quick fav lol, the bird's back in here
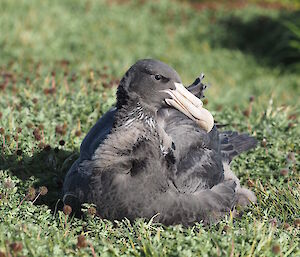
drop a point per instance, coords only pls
(200, 156)
(197, 153)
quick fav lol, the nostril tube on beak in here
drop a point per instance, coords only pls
(190, 105)
(183, 91)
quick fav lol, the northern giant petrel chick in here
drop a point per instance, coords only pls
(145, 157)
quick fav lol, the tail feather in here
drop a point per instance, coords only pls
(233, 144)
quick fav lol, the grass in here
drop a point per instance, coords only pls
(60, 62)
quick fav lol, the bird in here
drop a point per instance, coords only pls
(158, 154)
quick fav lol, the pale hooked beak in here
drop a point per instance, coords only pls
(190, 105)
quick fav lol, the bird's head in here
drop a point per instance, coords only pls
(156, 85)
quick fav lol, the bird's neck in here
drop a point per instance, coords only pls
(134, 111)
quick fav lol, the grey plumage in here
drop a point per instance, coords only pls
(233, 144)
(144, 158)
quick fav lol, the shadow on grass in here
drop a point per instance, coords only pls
(47, 167)
(273, 41)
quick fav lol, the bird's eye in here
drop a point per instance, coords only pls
(158, 77)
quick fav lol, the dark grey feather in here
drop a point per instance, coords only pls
(233, 144)
(97, 134)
